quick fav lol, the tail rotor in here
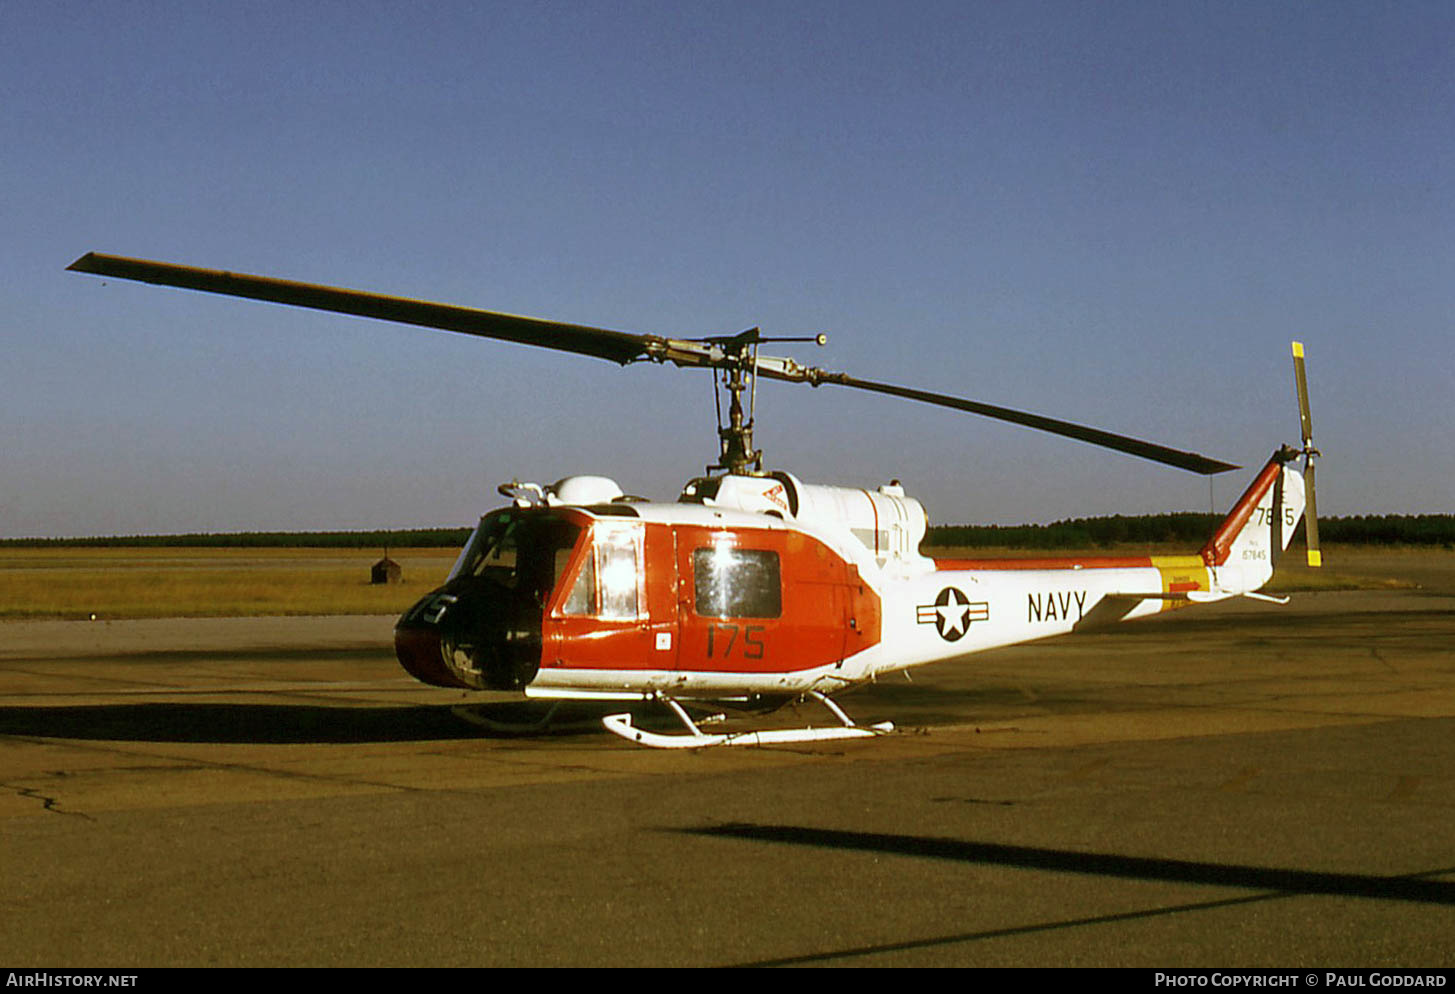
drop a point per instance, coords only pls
(1310, 517)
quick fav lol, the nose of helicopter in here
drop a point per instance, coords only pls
(471, 636)
(421, 652)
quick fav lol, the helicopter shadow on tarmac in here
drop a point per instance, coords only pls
(318, 724)
(283, 724)
(225, 723)
(313, 724)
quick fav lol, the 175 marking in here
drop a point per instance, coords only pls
(751, 648)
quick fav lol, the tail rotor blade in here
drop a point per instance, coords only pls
(1306, 428)
(1311, 517)
(1305, 419)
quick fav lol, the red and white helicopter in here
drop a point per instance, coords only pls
(755, 588)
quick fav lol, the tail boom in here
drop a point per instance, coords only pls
(964, 606)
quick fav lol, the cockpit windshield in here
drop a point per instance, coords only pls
(521, 550)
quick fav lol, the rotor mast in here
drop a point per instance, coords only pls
(738, 359)
(736, 437)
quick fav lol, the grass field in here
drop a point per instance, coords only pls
(75, 583)
(198, 583)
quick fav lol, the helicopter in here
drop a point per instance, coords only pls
(754, 588)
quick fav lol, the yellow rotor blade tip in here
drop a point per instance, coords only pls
(1315, 558)
(1298, 350)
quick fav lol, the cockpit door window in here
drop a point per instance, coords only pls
(608, 584)
(730, 582)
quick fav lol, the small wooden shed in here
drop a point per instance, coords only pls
(386, 570)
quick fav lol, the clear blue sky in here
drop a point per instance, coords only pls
(1112, 213)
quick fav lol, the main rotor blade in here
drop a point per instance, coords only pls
(618, 346)
(1095, 436)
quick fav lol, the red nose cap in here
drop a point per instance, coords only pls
(420, 652)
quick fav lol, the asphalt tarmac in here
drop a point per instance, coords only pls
(1237, 785)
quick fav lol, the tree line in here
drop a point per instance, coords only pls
(1186, 528)
(1190, 528)
(414, 538)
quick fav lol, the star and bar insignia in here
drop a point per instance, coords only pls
(951, 613)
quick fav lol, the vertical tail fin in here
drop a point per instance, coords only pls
(1259, 527)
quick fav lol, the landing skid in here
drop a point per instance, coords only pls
(696, 738)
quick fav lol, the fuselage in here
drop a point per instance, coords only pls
(633, 598)
(757, 586)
